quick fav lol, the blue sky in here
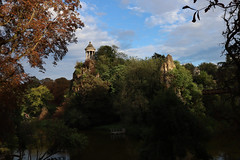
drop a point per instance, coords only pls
(140, 28)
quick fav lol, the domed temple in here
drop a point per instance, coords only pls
(90, 51)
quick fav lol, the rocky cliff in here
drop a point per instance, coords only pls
(168, 64)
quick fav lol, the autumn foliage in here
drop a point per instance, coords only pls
(31, 30)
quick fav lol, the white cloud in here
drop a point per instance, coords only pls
(188, 41)
(166, 19)
(136, 9)
(142, 52)
(91, 32)
(185, 41)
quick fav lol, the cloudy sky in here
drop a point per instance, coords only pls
(140, 28)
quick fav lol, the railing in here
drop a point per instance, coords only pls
(116, 131)
(215, 91)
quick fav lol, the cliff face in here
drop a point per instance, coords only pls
(83, 72)
(88, 67)
(86, 80)
(168, 64)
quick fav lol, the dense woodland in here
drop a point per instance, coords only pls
(138, 94)
(173, 109)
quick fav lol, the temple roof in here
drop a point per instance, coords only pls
(90, 47)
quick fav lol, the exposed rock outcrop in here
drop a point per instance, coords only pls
(168, 64)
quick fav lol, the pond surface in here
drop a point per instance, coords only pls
(225, 146)
(103, 146)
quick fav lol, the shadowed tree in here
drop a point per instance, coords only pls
(35, 100)
(210, 68)
(190, 67)
(231, 17)
(42, 139)
(31, 30)
(173, 131)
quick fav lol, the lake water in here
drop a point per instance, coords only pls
(103, 146)
(59, 156)
(225, 146)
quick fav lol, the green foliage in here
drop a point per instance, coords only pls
(48, 137)
(182, 78)
(204, 80)
(209, 68)
(107, 59)
(35, 99)
(228, 76)
(224, 109)
(58, 88)
(172, 130)
(106, 51)
(158, 56)
(142, 78)
(89, 103)
(182, 82)
(190, 67)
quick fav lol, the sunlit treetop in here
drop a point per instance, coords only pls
(33, 30)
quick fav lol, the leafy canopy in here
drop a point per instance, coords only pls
(35, 100)
(31, 30)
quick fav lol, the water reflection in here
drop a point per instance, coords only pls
(58, 156)
(105, 146)
(225, 146)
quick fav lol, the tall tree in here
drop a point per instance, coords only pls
(35, 100)
(31, 30)
(231, 17)
(42, 139)
(210, 68)
(190, 67)
(60, 87)
(186, 89)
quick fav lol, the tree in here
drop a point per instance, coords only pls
(231, 18)
(35, 100)
(139, 82)
(89, 101)
(205, 80)
(108, 57)
(107, 51)
(45, 138)
(190, 67)
(57, 87)
(172, 130)
(182, 82)
(60, 86)
(110, 65)
(210, 68)
(156, 56)
(33, 30)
